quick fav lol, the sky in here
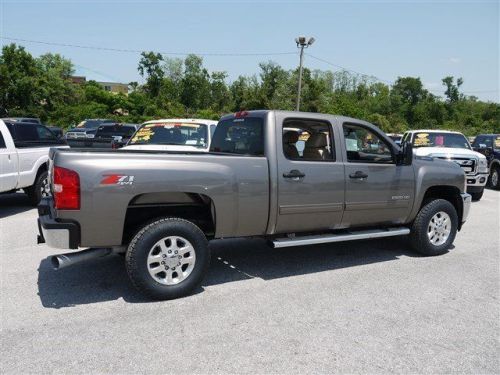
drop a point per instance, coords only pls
(385, 39)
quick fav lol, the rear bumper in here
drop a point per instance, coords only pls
(467, 200)
(55, 232)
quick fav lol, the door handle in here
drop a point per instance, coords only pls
(358, 175)
(294, 173)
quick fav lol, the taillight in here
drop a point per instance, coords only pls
(66, 189)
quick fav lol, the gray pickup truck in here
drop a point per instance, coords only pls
(293, 178)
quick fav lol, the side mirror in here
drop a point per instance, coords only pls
(405, 154)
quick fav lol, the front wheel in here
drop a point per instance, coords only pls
(495, 178)
(168, 258)
(434, 228)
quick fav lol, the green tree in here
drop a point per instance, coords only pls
(195, 84)
(150, 66)
(18, 81)
(452, 90)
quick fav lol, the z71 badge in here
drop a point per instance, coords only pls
(117, 179)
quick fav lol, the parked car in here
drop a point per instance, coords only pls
(489, 146)
(113, 135)
(77, 136)
(24, 153)
(454, 147)
(32, 120)
(350, 181)
(173, 135)
(395, 137)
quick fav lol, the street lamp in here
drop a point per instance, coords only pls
(302, 42)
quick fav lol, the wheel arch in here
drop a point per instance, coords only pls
(446, 192)
(194, 207)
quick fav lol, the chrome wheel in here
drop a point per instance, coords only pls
(439, 228)
(45, 188)
(171, 260)
(494, 178)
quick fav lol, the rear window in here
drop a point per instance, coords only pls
(242, 136)
(26, 133)
(2, 142)
(29, 134)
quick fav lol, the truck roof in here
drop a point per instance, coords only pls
(192, 120)
(433, 131)
(261, 112)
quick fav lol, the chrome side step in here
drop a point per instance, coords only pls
(350, 236)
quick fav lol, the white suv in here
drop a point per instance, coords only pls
(452, 146)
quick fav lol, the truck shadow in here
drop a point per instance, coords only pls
(13, 204)
(232, 260)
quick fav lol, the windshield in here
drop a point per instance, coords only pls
(446, 140)
(116, 130)
(487, 141)
(92, 124)
(165, 133)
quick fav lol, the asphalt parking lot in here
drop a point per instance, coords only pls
(371, 306)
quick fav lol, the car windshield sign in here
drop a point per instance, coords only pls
(171, 133)
(436, 139)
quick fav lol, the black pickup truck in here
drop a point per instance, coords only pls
(489, 146)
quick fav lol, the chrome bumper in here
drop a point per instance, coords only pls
(479, 179)
(467, 200)
(56, 238)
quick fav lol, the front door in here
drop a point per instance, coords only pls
(8, 165)
(310, 175)
(377, 190)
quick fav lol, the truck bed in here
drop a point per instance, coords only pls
(237, 185)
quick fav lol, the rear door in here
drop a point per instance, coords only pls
(8, 161)
(310, 174)
(377, 190)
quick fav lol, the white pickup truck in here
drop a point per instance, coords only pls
(452, 146)
(24, 153)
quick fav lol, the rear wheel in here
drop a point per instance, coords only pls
(168, 258)
(434, 228)
(40, 189)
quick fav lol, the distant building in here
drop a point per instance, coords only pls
(79, 80)
(115, 87)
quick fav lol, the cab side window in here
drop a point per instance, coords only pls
(2, 141)
(364, 146)
(308, 140)
(45, 134)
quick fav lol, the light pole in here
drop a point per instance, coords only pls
(302, 42)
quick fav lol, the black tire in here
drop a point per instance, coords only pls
(477, 196)
(140, 246)
(35, 192)
(494, 180)
(419, 239)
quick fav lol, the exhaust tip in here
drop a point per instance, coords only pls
(56, 263)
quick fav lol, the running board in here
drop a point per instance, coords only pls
(350, 236)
